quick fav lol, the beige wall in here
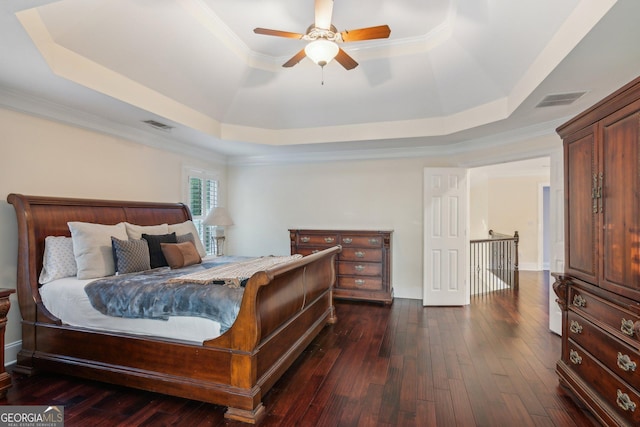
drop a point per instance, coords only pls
(514, 205)
(507, 204)
(41, 157)
(478, 205)
(266, 201)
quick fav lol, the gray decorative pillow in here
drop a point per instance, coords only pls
(58, 260)
(130, 255)
(186, 238)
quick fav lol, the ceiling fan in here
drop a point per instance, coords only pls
(323, 38)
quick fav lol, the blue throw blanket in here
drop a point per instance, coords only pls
(148, 295)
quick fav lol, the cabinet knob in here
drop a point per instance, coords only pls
(579, 301)
(359, 282)
(359, 267)
(329, 239)
(627, 327)
(624, 401)
(347, 240)
(305, 239)
(575, 357)
(575, 327)
(625, 363)
(359, 254)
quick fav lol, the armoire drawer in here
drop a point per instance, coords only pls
(616, 319)
(617, 393)
(620, 358)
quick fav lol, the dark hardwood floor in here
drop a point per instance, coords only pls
(489, 364)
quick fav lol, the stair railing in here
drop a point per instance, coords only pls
(494, 263)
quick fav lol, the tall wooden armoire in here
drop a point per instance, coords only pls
(599, 292)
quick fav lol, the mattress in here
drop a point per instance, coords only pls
(67, 300)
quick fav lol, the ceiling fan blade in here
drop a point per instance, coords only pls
(369, 33)
(345, 60)
(278, 33)
(295, 59)
(324, 10)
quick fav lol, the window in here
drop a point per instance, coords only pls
(202, 191)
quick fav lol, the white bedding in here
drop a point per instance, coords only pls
(66, 299)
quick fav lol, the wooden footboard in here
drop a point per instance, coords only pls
(282, 311)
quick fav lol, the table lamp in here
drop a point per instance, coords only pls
(218, 217)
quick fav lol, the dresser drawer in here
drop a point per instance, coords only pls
(322, 240)
(361, 241)
(359, 268)
(621, 397)
(363, 283)
(361, 254)
(308, 251)
(623, 323)
(620, 358)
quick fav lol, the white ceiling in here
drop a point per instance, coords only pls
(453, 74)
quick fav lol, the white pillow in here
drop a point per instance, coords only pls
(135, 231)
(186, 228)
(58, 260)
(92, 247)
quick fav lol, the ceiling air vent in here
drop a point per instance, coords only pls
(157, 125)
(559, 99)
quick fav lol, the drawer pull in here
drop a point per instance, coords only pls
(627, 327)
(359, 267)
(305, 239)
(625, 363)
(575, 327)
(575, 357)
(359, 254)
(359, 282)
(624, 401)
(347, 240)
(579, 301)
(329, 239)
(374, 241)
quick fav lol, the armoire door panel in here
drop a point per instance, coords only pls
(621, 203)
(581, 219)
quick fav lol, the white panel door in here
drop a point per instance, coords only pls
(556, 222)
(446, 242)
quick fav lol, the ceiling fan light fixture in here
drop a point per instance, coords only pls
(321, 51)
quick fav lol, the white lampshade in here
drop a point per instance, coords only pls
(321, 51)
(219, 217)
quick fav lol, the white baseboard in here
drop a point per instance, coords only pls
(529, 266)
(11, 351)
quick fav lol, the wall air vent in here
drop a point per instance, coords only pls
(559, 99)
(158, 125)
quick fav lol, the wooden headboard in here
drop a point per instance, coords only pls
(39, 217)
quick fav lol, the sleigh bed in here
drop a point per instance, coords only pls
(281, 311)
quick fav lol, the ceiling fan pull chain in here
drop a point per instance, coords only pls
(322, 80)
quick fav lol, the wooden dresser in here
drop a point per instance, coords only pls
(599, 292)
(363, 266)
